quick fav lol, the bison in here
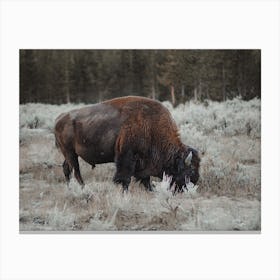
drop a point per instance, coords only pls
(136, 133)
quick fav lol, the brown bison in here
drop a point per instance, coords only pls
(136, 133)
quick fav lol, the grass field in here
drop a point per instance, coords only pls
(228, 195)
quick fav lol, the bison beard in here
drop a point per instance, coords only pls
(136, 133)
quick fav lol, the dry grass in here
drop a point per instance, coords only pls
(228, 193)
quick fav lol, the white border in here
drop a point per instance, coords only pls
(153, 24)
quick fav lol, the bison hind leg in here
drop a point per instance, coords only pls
(73, 163)
(67, 170)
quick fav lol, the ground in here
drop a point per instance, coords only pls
(228, 195)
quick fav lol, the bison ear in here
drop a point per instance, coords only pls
(188, 159)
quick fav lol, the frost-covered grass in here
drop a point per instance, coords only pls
(227, 196)
(37, 115)
(230, 118)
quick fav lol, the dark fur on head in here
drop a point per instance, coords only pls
(180, 171)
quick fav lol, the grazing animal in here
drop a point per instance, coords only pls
(136, 133)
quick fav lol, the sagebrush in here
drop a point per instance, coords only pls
(227, 197)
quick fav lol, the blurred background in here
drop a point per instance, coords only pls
(90, 76)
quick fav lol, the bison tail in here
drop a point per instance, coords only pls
(57, 143)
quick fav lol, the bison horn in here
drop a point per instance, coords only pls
(188, 159)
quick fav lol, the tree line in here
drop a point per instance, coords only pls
(89, 76)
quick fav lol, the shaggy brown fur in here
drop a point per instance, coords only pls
(136, 133)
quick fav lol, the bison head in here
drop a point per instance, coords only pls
(186, 169)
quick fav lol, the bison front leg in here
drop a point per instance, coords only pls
(147, 183)
(125, 164)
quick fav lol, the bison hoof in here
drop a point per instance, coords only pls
(125, 189)
(150, 189)
(121, 180)
(117, 180)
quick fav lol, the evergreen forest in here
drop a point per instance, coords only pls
(90, 76)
